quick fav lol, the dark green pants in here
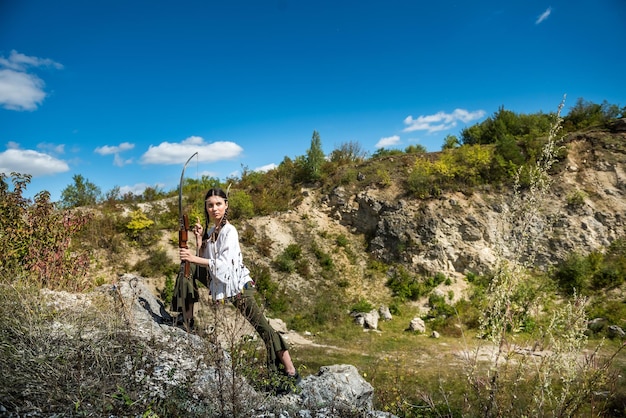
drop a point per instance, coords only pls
(274, 342)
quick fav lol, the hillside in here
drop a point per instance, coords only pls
(453, 234)
(343, 250)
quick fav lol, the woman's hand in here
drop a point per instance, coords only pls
(185, 254)
(198, 230)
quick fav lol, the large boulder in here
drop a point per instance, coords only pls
(179, 358)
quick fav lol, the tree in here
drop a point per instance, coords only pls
(416, 149)
(585, 114)
(348, 152)
(314, 158)
(450, 142)
(81, 193)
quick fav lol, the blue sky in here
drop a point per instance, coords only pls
(123, 92)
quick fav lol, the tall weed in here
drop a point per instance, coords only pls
(551, 374)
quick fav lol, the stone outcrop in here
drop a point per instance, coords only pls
(459, 232)
(176, 358)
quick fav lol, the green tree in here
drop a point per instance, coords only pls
(314, 158)
(450, 142)
(81, 193)
(416, 149)
(348, 152)
(585, 114)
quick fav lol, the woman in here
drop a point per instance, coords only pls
(220, 253)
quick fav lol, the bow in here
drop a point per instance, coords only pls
(184, 222)
(184, 292)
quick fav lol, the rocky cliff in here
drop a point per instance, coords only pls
(462, 232)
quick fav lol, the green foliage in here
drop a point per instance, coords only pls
(139, 228)
(275, 190)
(325, 260)
(36, 239)
(516, 139)
(240, 205)
(156, 264)
(362, 306)
(505, 124)
(466, 165)
(314, 158)
(405, 286)
(384, 178)
(450, 142)
(384, 152)
(81, 193)
(595, 271)
(612, 311)
(286, 261)
(585, 114)
(576, 199)
(348, 152)
(348, 176)
(274, 298)
(341, 240)
(416, 149)
(325, 311)
(167, 292)
(422, 181)
(439, 307)
(152, 194)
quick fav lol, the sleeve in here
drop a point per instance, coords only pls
(222, 264)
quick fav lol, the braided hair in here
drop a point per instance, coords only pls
(214, 192)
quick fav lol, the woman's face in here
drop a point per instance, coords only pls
(216, 206)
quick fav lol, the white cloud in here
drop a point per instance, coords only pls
(178, 153)
(21, 62)
(441, 121)
(115, 149)
(388, 141)
(52, 148)
(265, 168)
(136, 189)
(118, 161)
(139, 188)
(30, 162)
(20, 89)
(544, 16)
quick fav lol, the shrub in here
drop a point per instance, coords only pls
(157, 264)
(274, 299)
(576, 199)
(240, 205)
(341, 240)
(404, 285)
(362, 306)
(287, 260)
(36, 242)
(138, 228)
(167, 292)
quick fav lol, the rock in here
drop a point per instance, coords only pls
(618, 125)
(597, 324)
(337, 385)
(178, 358)
(368, 320)
(614, 331)
(434, 334)
(417, 325)
(384, 313)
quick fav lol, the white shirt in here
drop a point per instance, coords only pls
(226, 267)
